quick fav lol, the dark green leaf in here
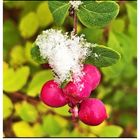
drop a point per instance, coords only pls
(93, 13)
(102, 56)
(35, 52)
(59, 10)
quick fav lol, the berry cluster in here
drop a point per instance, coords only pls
(76, 94)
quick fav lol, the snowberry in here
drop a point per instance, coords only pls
(92, 112)
(77, 90)
(52, 94)
(92, 75)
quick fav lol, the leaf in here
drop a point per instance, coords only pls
(132, 13)
(37, 82)
(62, 110)
(93, 13)
(35, 52)
(93, 35)
(42, 11)
(59, 10)
(29, 25)
(50, 125)
(27, 112)
(15, 80)
(7, 106)
(22, 129)
(28, 47)
(9, 28)
(38, 130)
(111, 131)
(17, 56)
(102, 56)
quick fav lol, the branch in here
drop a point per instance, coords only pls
(75, 22)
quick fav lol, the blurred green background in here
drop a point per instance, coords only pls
(25, 115)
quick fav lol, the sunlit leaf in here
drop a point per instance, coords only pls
(111, 131)
(28, 112)
(29, 25)
(22, 129)
(14, 80)
(7, 106)
(37, 82)
(42, 11)
(51, 126)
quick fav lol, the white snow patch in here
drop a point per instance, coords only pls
(65, 53)
(75, 4)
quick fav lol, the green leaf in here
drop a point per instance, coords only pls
(29, 25)
(15, 80)
(50, 125)
(42, 11)
(27, 112)
(35, 52)
(28, 48)
(7, 106)
(102, 56)
(38, 130)
(17, 56)
(93, 35)
(9, 28)
(37, 82)
(132, 13)
(93, 13)
(59, 10)
(22, 129)
(111, 131)
(62, 110)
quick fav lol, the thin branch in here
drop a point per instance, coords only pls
(75, 22)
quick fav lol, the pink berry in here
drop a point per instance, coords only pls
(92, 75)
(52, 94)
(92, 112)
(77, 90)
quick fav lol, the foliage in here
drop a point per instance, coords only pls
(24, 114)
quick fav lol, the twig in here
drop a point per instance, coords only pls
(75, 22)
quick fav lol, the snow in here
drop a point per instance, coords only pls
(65, 54)
(75, 4)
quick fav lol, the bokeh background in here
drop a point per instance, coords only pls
(25, 115)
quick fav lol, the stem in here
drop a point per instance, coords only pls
(75, 22)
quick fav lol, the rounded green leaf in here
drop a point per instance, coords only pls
(29, 25)
(27, 112)
(37, 82)
(93, 13)
(42, 11)
(14, 80)
(7, 106)
(59, 10)
(102, 56)
(111, 131)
